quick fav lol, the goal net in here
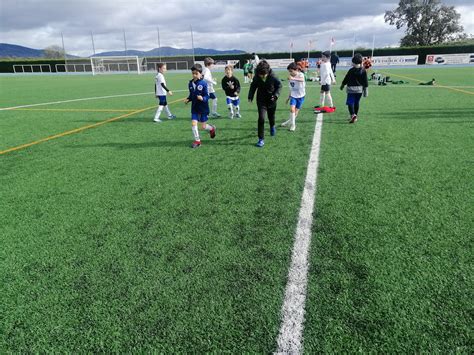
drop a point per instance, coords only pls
(115, 65)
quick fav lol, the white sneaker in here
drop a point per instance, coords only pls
(231, 115)
(238, 115)
(292, 128)
(157, 120)
(286, 123)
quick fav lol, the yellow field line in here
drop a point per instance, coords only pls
(80, 129)
(439, 86)
(71, 109)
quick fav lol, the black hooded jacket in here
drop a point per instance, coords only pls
(268, 89)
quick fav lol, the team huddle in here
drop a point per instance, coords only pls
(267, 86)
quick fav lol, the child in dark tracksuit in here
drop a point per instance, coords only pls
(268, 88)
(357, 85)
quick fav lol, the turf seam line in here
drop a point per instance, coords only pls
(83, 99)
(80, 129)
(293, 309)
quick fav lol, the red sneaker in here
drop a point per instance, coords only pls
(353, 119)
(196, 144)
(212, 132)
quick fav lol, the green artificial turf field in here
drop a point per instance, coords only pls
(119, 237)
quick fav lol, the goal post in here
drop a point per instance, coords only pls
(115, 65)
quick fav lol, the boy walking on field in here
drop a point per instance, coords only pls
(160, 92)
(327, 78)
(297, 94)
(231, 87)
(268, 88)
(207, 76)
(357, 85)
(199, 98)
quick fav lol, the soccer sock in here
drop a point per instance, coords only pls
(196, 133)
(323, 96)
(158, 112)
(292, 118)
(208, 127)
(328, 95)
(168, 112)
(237, 109)
(214, 106)
(231, 110)
(356, 108)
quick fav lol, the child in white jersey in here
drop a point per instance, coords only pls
(160, 92)
(207, 76)
(297, 93)
(327, 78)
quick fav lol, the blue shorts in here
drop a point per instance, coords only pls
(212, 96)
(200, 117)
(233, 102)
(296, 102)
(162, 100)
(353, 99)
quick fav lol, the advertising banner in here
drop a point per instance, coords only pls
(395, 60)
(443, 59)
(279, 63)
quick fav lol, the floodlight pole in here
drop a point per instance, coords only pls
(192, 43)
(64, 51)
(373, 45)
(159, 45)
(125, 42)
(93, 45)
(309, 48)
(353, 45)
(291, 49)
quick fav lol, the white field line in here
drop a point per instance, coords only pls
(420, 86)
(293, 309)
(83, 99)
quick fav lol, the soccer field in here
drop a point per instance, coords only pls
(118, 237)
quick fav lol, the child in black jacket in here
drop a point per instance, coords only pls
(268, 88)
(357, 85)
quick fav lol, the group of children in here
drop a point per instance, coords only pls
(268, 89)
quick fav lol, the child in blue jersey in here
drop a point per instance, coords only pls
(297, 93)
(199, 98)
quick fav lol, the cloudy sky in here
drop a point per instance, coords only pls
(260, 26)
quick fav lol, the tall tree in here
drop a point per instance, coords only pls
(54, 52)
(427, 22)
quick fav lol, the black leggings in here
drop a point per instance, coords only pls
(263, 111)
(353, 109)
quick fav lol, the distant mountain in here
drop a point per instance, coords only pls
(15, 51)
(169, 52)
(12, 50)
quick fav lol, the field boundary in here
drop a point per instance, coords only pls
(438, 86)
(80, 129)
(293, 309)
(82, 99)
